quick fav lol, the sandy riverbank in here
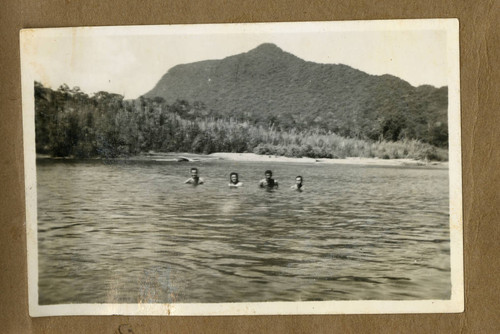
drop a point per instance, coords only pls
(346, 161)
(192, 157)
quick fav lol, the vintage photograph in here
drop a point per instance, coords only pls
(270, 168)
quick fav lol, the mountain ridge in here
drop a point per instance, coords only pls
(269, 86)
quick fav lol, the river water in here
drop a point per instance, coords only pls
(133, 232)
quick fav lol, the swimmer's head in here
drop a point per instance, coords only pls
(194, 172)
(298, 180)
(233, 177)
(268, 174)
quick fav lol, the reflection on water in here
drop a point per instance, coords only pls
(128, 233)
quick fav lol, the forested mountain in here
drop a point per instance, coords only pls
(265, 101)
(269, 87)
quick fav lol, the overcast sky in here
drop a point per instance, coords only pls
(130, 61)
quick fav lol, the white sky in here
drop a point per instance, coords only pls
(131, 60)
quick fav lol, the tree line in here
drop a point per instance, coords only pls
(71, 123)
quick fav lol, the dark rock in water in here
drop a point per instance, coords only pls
(186, 159)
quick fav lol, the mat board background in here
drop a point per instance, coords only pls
(480, 55)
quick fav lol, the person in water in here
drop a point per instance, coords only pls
(234, 182)
(298, 183)
(268, 182)
(194, 179)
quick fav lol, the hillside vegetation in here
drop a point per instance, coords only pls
(267, 87)
(70, 123)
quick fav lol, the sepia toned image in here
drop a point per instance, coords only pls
(278, 168)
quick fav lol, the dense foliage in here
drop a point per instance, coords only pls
(72, 123)
(267, 86)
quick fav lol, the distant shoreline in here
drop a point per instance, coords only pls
(345, 161)
(252, 157)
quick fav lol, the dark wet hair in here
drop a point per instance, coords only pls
(237, 178)
(301, 178)
(194, 168)
(269, 172)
